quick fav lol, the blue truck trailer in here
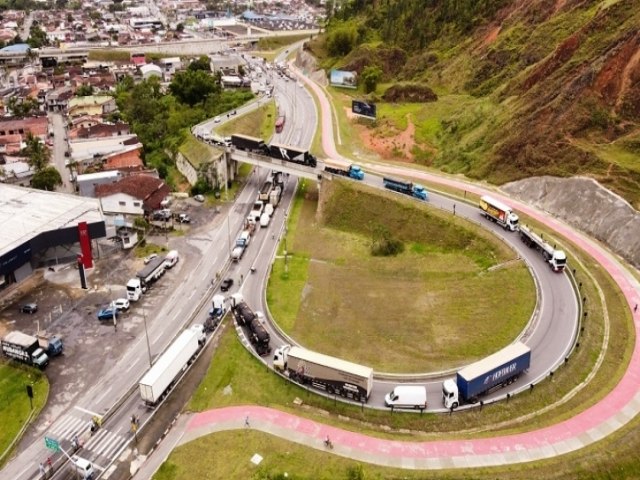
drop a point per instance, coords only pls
(354, 171)
(408, 188)
(497, 370)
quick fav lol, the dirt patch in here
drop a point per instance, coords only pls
(491, 36)
(615, 76)
(409, 92)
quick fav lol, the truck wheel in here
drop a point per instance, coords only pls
(330, 390)
(454, 405)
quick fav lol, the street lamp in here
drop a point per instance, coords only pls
(146, 333)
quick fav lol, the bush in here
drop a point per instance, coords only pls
(201, 187)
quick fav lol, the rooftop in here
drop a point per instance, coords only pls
(25, 213)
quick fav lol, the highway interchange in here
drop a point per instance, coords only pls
(551, 333)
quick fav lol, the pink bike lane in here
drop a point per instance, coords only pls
(593, 424)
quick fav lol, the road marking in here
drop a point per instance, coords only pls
(93, 414)
(102, 396)
(132, 364)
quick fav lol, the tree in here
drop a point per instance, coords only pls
(180, 27)
(201, 63)
(46, 179)
(84, 91)
(22, 107)
(341, 41)
(193, 87)
(370, 76)
(37, 37)
(38, 155)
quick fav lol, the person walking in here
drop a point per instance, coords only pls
(246, 422)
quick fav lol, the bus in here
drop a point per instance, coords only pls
(280, 124)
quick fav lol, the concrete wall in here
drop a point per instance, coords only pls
(122, 203)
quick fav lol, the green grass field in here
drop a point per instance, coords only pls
(333, 284)
(258, 123)
(14, 402)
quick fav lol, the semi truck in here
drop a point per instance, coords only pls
(164, 373)
(218, 308)
(498, 212)
(242, 242)
(265, 191)
(333, 375)
(353, 171)
(556, 259)
(249, 144)
(51, 344)
(145, 278)
(407, 188)
(245, 317)
(292, 154)
(496, 371)
(24, 348)
(274, 196)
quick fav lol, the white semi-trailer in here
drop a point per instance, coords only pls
(498, 212)
(161, 376)
(334, 375)
(556, 259)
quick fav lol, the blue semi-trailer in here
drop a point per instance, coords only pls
(497, 370)
(407, 188)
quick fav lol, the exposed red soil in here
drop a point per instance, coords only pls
(615, 77)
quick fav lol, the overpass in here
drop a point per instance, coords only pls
(276, 164)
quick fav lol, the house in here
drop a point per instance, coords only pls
(58, 100)
(150, 70)
(170, 65)
(135, 195)
(101, 130)
(87, 183)
(13, 132)
(92, 105)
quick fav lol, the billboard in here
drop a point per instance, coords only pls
(340, 78)
(364, 109)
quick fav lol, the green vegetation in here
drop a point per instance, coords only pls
(145, 249)
(198, 152)
(332, 283)
(100, 55)
(15, 409)
(275, 43)
(258, 123)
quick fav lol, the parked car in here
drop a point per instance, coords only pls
(226, 284)
(121, 304)
(107, 313)
(199, 198)
(184, 218)
(217, 120)
(148, 258)
(29, 308)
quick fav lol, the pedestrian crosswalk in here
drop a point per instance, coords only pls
(103, 442)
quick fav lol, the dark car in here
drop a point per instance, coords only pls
(226, 284)
(107, 313)
(29, 308)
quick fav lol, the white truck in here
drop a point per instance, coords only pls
(498, 212)
(242, 242)
(256, 210)
(162, 375)
(83, 467)
(145, 278)
(171, 259)
(265, 218)
(333, 375)
(556, 259)
(274, 196)
(407, 396)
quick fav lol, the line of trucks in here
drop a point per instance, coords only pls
(151, 273)
(340, 377)
(245, 317)
(34, 350)
(503, 215)
(278, 151)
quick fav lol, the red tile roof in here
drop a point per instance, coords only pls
(143, 187)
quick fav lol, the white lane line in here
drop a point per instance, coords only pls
(66, 433)
(132, 364)
(106, 444)
(93, 414)
(95, 440)
(63, 424)
(98, 399)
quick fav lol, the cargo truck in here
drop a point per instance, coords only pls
(289, 153)
(556, 259)
(407, 188)
(407, 396)
(145, 278)
(245, 317)
(498, 212)
(249, 144)
(256, 210)
(24, 348)
(354, 171)
(274, 196)
(497, 370)
(163, 374)
(333, 375)
(265, 191)
(51, 344)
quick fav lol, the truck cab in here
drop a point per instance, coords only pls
(280, 357)
(84, 467)
(134, 289)
(420, 192)
(450, 394)
(356, 172)
(39, 358)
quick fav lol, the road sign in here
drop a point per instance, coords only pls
(51, 444)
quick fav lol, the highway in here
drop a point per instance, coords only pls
(550, 335)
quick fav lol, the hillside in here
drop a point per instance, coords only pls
(524, 87)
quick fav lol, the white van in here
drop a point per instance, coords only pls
(268, 209)
(264, 220)
(171, 259)
(407, 396)
(83, 467)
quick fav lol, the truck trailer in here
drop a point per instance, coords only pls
(333, 375)
(292, 154)
(498, 212)
(497, 370)
(245, 317)
(407, 188)
(556, 259)
(24, 348)
(265, 191)
(162, 375)
(249, 144)
(145, 277)
(353, 171)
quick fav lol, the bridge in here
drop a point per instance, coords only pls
(276, 164)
